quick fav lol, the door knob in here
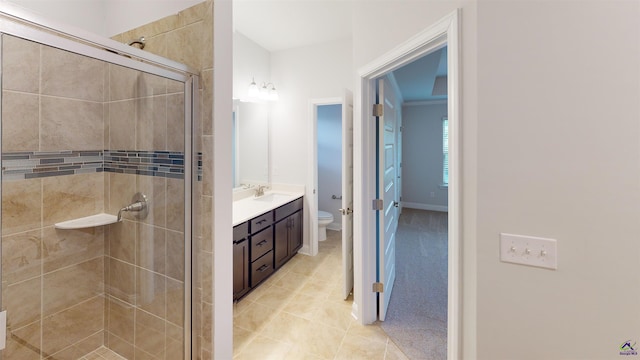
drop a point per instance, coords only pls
(395, 203)
(346, 211)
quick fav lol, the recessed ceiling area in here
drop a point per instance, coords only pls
(425, 78)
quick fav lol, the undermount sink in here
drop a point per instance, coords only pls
(272, 197)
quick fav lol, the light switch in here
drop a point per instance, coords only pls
(529, 250)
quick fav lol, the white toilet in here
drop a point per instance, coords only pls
(324, 219)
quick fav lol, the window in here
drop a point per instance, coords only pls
(445, 151)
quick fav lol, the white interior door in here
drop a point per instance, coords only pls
(387, 191)
(347, 192)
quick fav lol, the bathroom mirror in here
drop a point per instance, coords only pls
(250, 143)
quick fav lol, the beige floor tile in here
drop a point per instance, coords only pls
(322, 340)
(255, 318)
(298, 352)
(275, 298)
(241, 337)
(303, 305)
(372, 332)
(393, 352)
(264, 349)
(286, 328)
(358, 347)
(292, 281)
(336, 314)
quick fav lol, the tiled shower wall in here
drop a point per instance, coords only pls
(187, 37)
(69, 291)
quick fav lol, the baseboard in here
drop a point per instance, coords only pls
(430, 207)
(304, 250)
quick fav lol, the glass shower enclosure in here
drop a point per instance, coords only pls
(85, 129)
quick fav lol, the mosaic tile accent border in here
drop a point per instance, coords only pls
(34, 164)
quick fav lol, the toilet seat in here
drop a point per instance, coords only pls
(323, 215)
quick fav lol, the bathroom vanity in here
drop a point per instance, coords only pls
(267, 233)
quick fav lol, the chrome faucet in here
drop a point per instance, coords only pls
(260, 190)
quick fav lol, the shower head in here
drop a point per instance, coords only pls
(140, 41)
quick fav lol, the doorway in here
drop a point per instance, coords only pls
(443, 33)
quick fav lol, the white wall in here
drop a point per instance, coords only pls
(330, 162)
(302, 74)
(370, 40)
(105, 17)
(558, 155)
(250, 61)
(551, 148)
(422, 157)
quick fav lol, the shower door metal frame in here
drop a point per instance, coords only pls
(20, 23)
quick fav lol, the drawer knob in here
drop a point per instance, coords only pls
(263, 268)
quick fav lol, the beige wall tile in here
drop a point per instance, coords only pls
(192, 14)
(151, 123)
(207, 327)
(81, 348)
(23, 343)
(122, 347)
(175, 204)
(184, 45)
(207, 229)
(207, 165)
(175, 255)
(66, 247)
(175, 122)
(149, 334)
(21, 256)
(72, 325)
(22, 301)
(122, 241)
(122, 83)
(121, 281)
(206, 110)
(20, 122)
(207, 36)
(157, 44)
(20, 65)
(70, 197)
(205, 265)
(70, 125)
(21, 205)
(151, 292)
(174, 86)
(150, 85)
(120, 319)
(70, 75)
(121, 189)
(151, 248)
(174, 343)
(175, 301)
(72, 285)
(154, 188)
(122, 125)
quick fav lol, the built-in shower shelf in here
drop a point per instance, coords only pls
(88, 221)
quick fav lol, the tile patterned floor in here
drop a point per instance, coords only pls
(102, 353)
(299, 313)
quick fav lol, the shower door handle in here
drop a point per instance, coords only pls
(346, 211)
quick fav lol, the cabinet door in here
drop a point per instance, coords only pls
(282, 242)
(295, 233)
(240, 267)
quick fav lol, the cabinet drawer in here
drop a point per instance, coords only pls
(261, 268)
(261, 222)
(240, 231)
(288, 209)
(261, 243)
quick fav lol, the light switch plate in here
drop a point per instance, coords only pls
(529, 250)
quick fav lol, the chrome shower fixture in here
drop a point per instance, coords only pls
(138, 205)
(140, 41)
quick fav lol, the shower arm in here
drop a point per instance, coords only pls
(139, 205)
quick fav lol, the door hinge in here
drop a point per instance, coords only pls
(378, 287)
(401, 128)
(378, 204)
(378, 110)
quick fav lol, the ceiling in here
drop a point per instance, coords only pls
(285, 24)
(278, 25)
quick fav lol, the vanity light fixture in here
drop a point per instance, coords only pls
(266, 92)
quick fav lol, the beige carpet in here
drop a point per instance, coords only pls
(417, 316)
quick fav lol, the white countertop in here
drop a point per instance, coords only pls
(250, 207)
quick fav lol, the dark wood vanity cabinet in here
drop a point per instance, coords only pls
(240, 260)
(288, 231)
(263, 244)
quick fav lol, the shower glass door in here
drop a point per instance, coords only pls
(80, 136)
